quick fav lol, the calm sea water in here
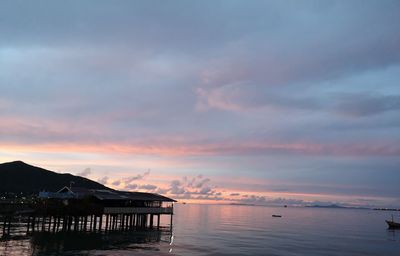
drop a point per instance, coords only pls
(231, 230)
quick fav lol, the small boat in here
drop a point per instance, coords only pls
(392, 224)
(276, 216)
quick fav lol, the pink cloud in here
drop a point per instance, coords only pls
(173, 148)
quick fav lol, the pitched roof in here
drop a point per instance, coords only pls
(105, 194)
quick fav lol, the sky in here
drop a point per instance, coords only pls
(259, 102)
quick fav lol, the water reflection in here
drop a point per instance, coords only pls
(393, 234)
(201, 230)
(248, 230)
(83, 243)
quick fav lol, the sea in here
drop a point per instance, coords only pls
(230, 230)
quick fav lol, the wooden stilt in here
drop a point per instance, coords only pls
(76, 223)
(33, 223)
(43, 222)
(9, 226)
(69, 223)
(94, 222)
(55, 219)
(28, 224)
(85, 223)
(64, 223)
(49, 225)
(131, 221)
(80, 219)
(100, 222)
(107, 217)
(4, 226)
(126, 221)
(58, 223)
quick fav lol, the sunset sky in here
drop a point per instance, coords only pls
(265, 102)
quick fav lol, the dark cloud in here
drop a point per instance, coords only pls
(190, 186)
(131, 187)
(205, 190)
(201, 183)
(359, 105)
(103, 180)
(286, 201)
(148, 187)
(162, 191)
(137, 177)
(85, 172)
(253, 199)
(176, 188)
(263, 200)
(129, 184)
(116, 183)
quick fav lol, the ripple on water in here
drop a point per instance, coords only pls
(232, 230)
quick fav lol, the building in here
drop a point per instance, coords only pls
(113, 201)
(81, 209)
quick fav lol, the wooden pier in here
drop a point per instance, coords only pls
(88, 211)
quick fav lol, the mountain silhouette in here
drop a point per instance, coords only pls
(19, 177)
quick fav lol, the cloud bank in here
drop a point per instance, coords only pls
(265, 88)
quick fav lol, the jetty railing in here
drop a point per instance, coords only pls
(138, 210)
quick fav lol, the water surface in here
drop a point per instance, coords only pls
(231, 230)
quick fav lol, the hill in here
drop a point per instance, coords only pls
(17, 177)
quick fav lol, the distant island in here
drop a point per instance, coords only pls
(335, 206)
(243, 204)
(387, 209)
(327, 206)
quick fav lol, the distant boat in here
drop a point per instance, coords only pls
(392, 224)
(276, 215)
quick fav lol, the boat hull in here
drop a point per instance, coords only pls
(393, 225)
